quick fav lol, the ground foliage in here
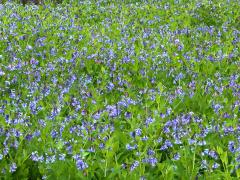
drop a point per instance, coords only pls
(120, 90)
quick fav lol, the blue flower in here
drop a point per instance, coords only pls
(62, 157)
(13, 167)
(54, 134)
(144, 138)
(150, 152)
(134, 165)
(152, 161)
(215, 165)
(149, 121)
(176, 156)
(138, 132)
(129, 147)
(231, 146)
(81, 165)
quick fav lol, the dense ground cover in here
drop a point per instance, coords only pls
(120, 90)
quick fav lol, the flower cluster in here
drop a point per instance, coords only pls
(120, 90)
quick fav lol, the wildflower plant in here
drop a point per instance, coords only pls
(120, 90)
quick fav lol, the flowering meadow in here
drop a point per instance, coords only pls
(120, 90)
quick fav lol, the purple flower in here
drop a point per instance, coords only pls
(169, 111)
(132, 134)
(186, 119)
(129, 147)
(166, 145)
(113, 110)
(110, 86)
(176, 156)
(231, 146)
(205, 152)
(238, 158)
(226, 115)
(159, 140)
(152, 161)
(124, 166)
(213, 154)
(34, 156)
(81, 165)
(33, 62)
(202, 143)
(150, 152)
(144, 138)
(217, 107)
(166, 129)
(2, 73)
(127, 115)
(54, 134)
(62, 157)
(149, 121)
(138, 132)
(37, 133)
(162, 115)
(50, 159)
(215, 165)
(97, 115)
(101, 145)
(228, 130)
(69, 149)
(29, 47)
(5, 151)
(134, 165)
(91, 149)
(13, 167)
